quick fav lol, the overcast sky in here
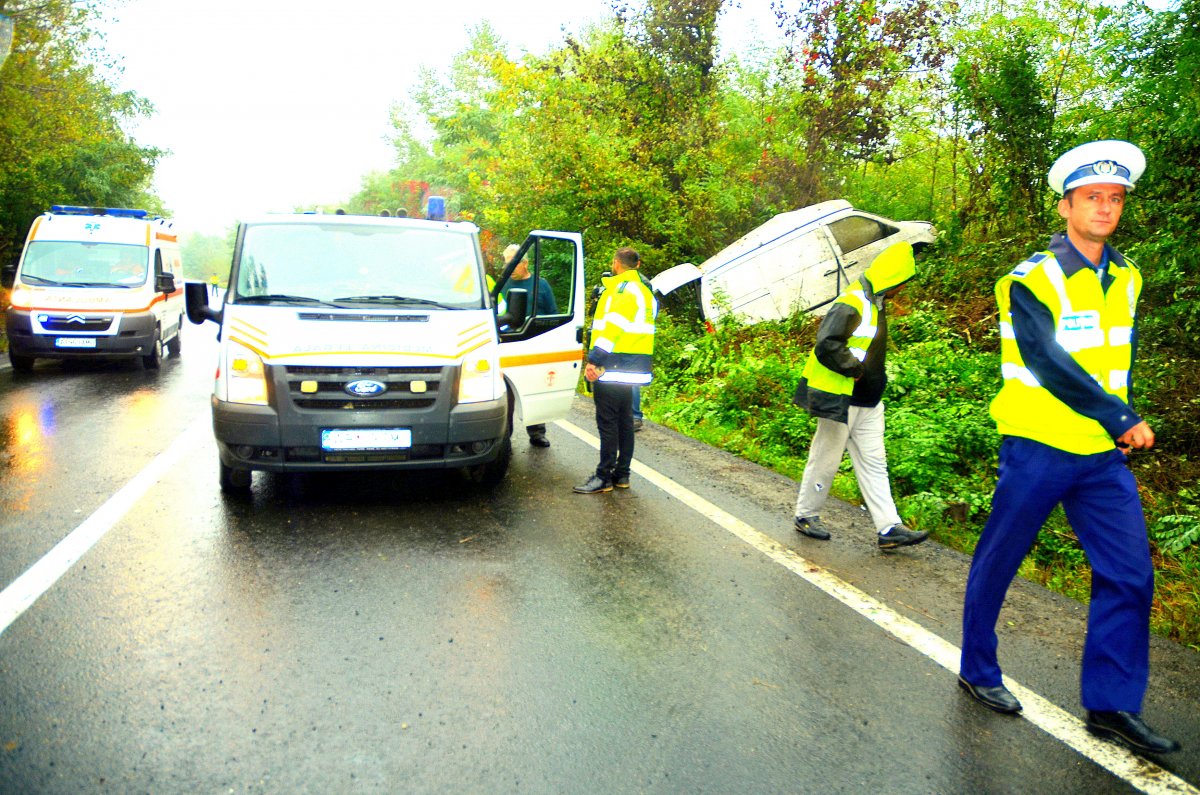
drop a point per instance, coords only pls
(266, 105)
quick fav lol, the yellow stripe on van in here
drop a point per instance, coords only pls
(251, 326)
(237, 327)
(473, 330)
(541, 358)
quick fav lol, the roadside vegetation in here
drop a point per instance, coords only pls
(642, 131)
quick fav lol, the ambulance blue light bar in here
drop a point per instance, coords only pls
(116, 212)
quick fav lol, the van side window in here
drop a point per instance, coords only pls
(856, 231)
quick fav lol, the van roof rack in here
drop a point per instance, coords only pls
(116, 212)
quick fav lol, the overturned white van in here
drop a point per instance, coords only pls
(798, 261)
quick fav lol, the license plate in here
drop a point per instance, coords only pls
(75, 342)
(366, 439)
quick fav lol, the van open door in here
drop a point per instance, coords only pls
(541, 353)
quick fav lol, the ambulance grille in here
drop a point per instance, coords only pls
(408, 388)
(78, 323)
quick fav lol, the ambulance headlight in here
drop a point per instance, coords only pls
(246, 375)
(479, 379)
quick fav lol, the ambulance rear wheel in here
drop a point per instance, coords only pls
(233, 480)
(153, 360)
(22, 364)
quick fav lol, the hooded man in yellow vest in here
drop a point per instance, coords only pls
(1064, 410)
(842, 387)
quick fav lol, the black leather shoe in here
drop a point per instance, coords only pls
(1128, 729)
(594, 485)
(621, 483)
(813, 527)
(539, 440)
(997, 698)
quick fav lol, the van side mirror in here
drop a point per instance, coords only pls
(165, 283)
(515, 311)
(196, 300)
(8, 276)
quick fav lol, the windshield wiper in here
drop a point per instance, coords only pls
(40, 280)
(395, 299)
(281, 298)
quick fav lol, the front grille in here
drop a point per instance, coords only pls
(91, 325)
(331, 395)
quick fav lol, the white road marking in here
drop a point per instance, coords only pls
(1050, 718)
(38, 578)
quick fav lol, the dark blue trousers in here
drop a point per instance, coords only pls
(1099, 495)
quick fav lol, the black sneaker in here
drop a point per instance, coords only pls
(813, 527)
(539, 440)
(637, 424)
(900, 536)
(621, 483)
(594, 485)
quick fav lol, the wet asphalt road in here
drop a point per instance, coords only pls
(412, 633)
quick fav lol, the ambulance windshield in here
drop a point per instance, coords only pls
(358, 265)
(79, 264)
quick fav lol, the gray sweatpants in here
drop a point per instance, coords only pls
(862, 435)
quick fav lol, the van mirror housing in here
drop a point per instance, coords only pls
(165, 283)
(198, 310)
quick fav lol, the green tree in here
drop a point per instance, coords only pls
(61, 135)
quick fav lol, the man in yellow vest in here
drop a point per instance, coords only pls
(842, 387)
(621, 357)
(1067, 342)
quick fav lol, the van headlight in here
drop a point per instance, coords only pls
(245, 375)
(479, 379)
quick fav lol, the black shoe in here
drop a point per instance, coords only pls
(594, 485)
(621, 483)
(813, 527)
(539, 440)
(1128, 729)
(637, 424)
(900, 536)
(997, 698)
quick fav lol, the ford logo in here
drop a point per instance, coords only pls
(365, 388)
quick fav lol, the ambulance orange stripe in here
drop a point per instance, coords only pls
(100, 307)
(541, 358)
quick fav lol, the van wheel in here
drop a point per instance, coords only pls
(493, 472)
(153, 360)
(232, 480)
(22, 364)
(175, 346)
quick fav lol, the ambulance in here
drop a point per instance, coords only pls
(96, 282)
(380, 343)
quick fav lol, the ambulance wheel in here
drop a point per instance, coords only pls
(175, 346)
(233, 480)
(153, 360)
(493, 472)
(22, 364)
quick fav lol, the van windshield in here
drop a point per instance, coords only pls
(356, 265)
(82, 264)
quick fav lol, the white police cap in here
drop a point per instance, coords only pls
(1109, 162)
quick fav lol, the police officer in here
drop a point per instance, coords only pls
(1067, 322)
(620, 359)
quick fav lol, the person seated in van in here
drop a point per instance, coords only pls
(522, 279)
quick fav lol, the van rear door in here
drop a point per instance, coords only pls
(541, 354)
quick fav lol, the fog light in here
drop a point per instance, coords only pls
(479, 447)
(244, 451)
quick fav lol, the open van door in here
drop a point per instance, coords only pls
(541, 354)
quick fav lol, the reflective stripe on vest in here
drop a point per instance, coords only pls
(821, 377)
(1094, 327)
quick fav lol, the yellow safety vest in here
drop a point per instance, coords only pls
(623, 330)
(821, 377)
(1095, 327)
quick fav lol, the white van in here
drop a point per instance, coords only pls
(799, 261)
(363, 342)
(96, 282)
